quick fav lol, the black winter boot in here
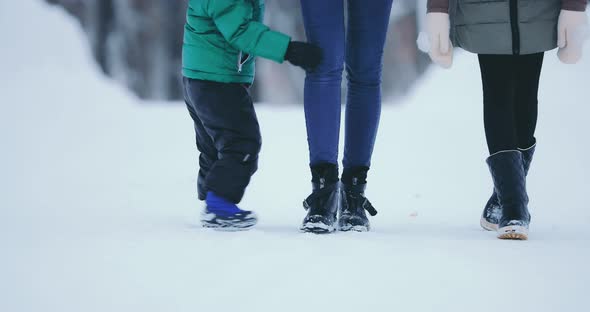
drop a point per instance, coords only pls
(322, 205)
(509, 177)
(491, 213)
(352, 211)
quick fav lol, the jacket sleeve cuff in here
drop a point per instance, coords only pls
(278, 43)
(438, 10)
(574, 5)
(437, 6)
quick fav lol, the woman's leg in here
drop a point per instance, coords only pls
(500, 78)
(324, 26)
(368, 22)
(498, 74)
(526, 106)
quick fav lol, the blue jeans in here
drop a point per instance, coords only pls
(360, 45)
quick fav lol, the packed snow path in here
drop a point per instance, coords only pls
(98, 208)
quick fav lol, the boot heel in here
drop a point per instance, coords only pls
(513, 232)
(488, 226)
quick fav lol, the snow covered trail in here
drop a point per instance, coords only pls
(98, 210)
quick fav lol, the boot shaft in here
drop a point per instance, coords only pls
(324, 175)
(507, 169)
(354, 184)
(508, 173)
(527, 157)
(355, 176)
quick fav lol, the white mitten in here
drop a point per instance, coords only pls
(572, 32)
(438, 27)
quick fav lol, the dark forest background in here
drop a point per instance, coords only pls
(138, 43)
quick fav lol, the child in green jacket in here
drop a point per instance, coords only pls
(221, 40)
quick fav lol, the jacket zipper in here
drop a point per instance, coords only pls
(240, 63)
(515, 27)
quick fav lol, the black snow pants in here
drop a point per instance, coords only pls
(510, 88)
(228, 136)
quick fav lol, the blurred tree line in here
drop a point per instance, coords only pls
(139, 43)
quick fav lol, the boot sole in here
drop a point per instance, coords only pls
(317, 228)
(487, 225)
(228, 225)
(354, 228)
(242, 226)
(513, 232)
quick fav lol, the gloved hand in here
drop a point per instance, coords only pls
(304, 55)
(572, 32)
(438, 26)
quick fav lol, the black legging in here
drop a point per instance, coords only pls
(510, 87)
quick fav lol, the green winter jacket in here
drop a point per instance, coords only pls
(222, 37)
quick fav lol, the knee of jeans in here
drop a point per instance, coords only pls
(366, 76)
(330, 69)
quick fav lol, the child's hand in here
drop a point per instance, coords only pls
(304, 55)
(441, 49)
(572, 32)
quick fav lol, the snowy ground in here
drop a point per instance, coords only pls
(98, 208)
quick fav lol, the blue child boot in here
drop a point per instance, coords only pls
(221, 214)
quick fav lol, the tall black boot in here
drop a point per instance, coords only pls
(352, 211)
(322, 205)
(491, 213)
(509, 177)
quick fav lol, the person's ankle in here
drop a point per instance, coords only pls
(219, 205)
